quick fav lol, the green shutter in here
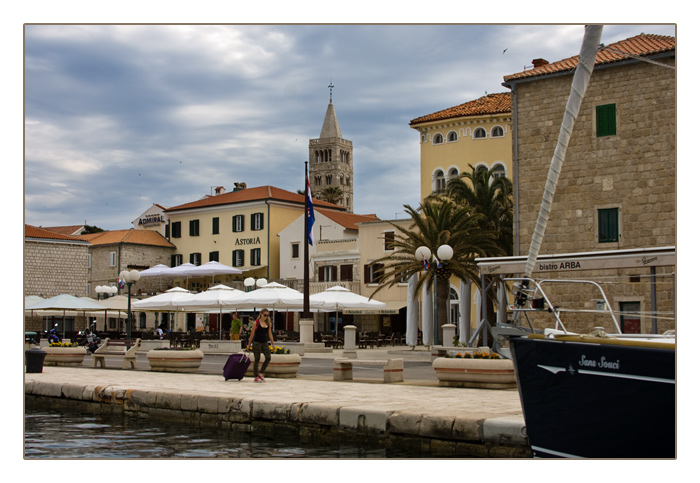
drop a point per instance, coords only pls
(606, 120)
(608, 231)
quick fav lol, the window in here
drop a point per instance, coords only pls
(454, 173)
(295, 250)
(608, 226)
(175, 260)
(167, 231)
(238, 258)
(194, 227)
(238, 223)
(373, 272)
(439, 181)
(499, 171)
(89, 261)
(196, 258)
(215, 225)
(606, 122)
(327, 273)
(438, 139)
(388, 241)
(497, 132)
(256, 221)
(255, 257)
(479, 133)
(346, 273)
(177, 229)
(112, 259)
(452, 137)
(214, 256)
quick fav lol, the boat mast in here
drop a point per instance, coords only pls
(582, 75)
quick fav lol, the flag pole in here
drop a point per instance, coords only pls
(306, 313)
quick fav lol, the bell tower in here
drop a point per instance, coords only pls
(330, 162)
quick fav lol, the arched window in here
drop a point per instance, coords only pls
(329, 179)
(439, 181)
(499, 171)
(479, 133)
(452, 137)
(497, 132)
(438, 139)
(453, 173)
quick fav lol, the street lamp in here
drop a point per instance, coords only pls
(425, 255)
(129, 278)
(250, 281)
(106, 290)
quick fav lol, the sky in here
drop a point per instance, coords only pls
(118, 117)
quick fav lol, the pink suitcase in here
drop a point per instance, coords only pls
(235, 366)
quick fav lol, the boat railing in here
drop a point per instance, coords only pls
(534, 299)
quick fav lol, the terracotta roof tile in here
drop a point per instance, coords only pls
(251, 194)
(64, 230)
(347, 220)
(489, 104)
(35, 232)
(642, 45)
(131, 236)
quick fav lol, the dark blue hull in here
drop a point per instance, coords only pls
(592, 400)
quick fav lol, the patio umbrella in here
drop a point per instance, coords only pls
(218, 297)
(118, 303)
(212, 268)
(65, 302)
(182, 271)
(340, 298)
(163, 302)
(159, 271)
(275, 296)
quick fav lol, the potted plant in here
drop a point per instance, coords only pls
(64, 354)
(236, 329)
(283, 364)
(175, 359)
(481, 369)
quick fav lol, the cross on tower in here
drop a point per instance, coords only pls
(331, 86)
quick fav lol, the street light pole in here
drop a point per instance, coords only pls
(444, 254)
(129, 278)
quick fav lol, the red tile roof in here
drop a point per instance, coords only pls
(347, 220)
(642, 45)
(64, 230)
(259, 193)
(489, 104)
(131, 236)
(35, 232)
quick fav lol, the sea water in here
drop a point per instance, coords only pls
(64, 434)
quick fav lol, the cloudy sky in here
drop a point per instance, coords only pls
(118, 117)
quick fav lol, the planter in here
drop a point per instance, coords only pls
(480, 373)
(281, 365)
(175, 360)
(64, 356)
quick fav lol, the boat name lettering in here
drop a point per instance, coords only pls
(248, 241)
(559, 266)
(602, 363)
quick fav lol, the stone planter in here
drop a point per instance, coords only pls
(281, 365)
(479, 373)
(64, 356)
(175, 360)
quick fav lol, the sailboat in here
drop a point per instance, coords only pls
(602, 394)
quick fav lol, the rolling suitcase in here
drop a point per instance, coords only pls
(235, 366)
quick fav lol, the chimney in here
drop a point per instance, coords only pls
(539, 63)
(219, 190)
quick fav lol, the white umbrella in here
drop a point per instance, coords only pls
(218, 297)
(275, 296)
(163, 302)
(212, 268)
(65, 302)
(340, 298)
(159, 271)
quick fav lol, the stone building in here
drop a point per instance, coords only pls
(617, 188)
(331, 160)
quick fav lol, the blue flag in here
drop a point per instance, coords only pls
(310, 213)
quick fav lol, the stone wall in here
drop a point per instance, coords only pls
(634, 170)
(53, 268)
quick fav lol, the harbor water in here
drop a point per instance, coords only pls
(66, 434)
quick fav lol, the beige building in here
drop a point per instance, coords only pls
(154, 218)
(617, 188)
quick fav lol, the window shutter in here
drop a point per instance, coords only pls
(321, 275)
(334, 273)
(367, 273)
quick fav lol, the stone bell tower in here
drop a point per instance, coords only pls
(330, 161)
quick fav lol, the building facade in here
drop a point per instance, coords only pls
(477, 133)
(154, 218)
(617, 188)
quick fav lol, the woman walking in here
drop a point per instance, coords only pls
(262, 333)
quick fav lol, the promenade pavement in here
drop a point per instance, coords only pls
(489, 420)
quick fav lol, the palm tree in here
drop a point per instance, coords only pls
(490, 196)
(332, 194)
(437, 222)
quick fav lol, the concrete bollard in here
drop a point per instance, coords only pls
(306, 331)
(350, 334)
(448, 334)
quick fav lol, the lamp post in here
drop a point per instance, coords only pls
(129, 278)
(425, 255)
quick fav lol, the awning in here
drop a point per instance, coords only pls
(390, 309)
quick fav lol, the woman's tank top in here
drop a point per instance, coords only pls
(260, 333)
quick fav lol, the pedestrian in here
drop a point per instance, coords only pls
(262, 333)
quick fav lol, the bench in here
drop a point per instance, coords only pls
(121, 348)
(393, 368)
